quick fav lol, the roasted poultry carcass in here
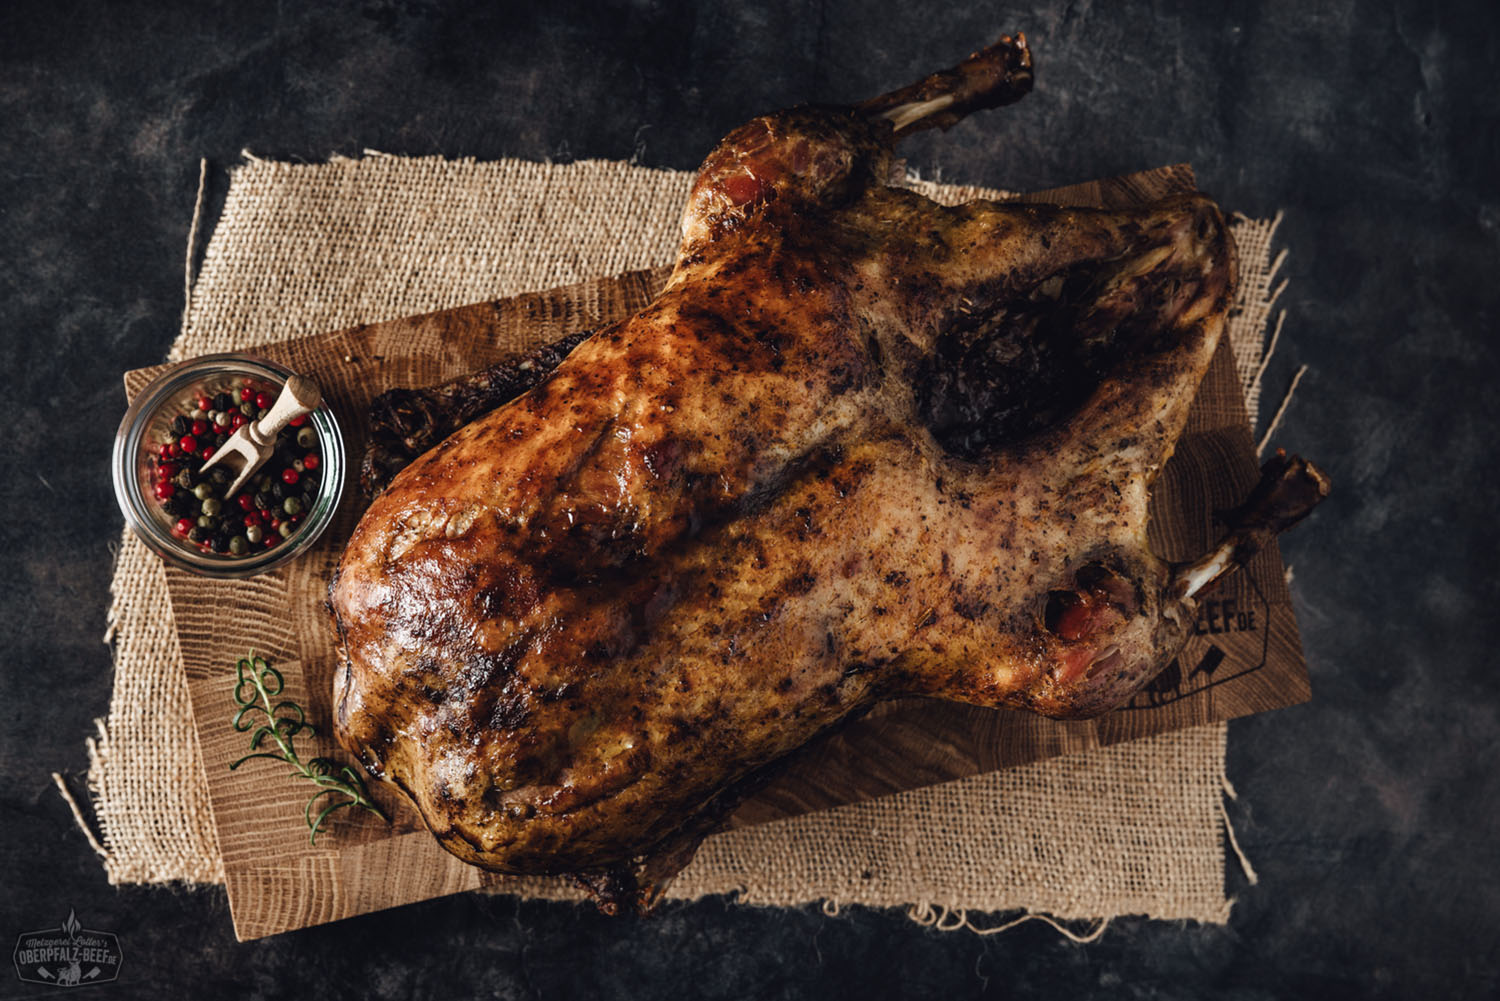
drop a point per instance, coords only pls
(862, 446)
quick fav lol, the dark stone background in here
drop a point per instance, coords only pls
(1371, 813)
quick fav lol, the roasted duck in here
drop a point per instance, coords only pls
(862, 446)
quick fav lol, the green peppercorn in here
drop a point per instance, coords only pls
(184, 479)
(248, 409)
(205, 522)
(197, 534)
(307, 437)
(255, 533)
(203, 491)
(212, 506)
(238, 546)
(291, 505)
(286, 529)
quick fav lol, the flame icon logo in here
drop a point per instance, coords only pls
(67, 955)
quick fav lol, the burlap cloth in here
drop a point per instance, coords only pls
(300, 249)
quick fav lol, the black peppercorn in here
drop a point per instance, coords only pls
(286, 488)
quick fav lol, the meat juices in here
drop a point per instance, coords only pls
(862, 446)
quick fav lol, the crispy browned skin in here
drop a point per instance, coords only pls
(861, 446)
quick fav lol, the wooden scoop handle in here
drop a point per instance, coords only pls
(299, 396)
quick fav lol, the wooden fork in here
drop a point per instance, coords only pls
(256, 440)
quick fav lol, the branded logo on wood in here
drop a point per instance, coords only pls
(68, 956)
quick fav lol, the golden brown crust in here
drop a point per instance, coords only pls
(725, 524)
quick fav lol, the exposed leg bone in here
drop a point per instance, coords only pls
(1290, 487)
(992, 77)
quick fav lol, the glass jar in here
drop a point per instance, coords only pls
(147, 427)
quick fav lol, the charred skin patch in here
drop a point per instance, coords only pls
(1011, 364)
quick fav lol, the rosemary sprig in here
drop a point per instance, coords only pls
(338, 785)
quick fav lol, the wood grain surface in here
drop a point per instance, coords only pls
(1245, 658)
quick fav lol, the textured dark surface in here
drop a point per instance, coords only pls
(1369, 813)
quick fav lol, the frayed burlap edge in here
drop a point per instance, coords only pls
(421, 234)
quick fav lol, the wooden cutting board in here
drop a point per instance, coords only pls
(1245, 658)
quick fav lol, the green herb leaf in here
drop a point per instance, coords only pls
(339, 786)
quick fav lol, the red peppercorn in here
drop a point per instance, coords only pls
(164, 490)
(165, 471)
(167, 450)
(310, 460)
(289, 475)
(247, 394)
(252, 518)
(184, 526)
(204, 403)
(275, 522)
(298, 421)
(238, 420)
(263, 400)
(200, 428)
(271, 539)
(207, 453)
(188, 444)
